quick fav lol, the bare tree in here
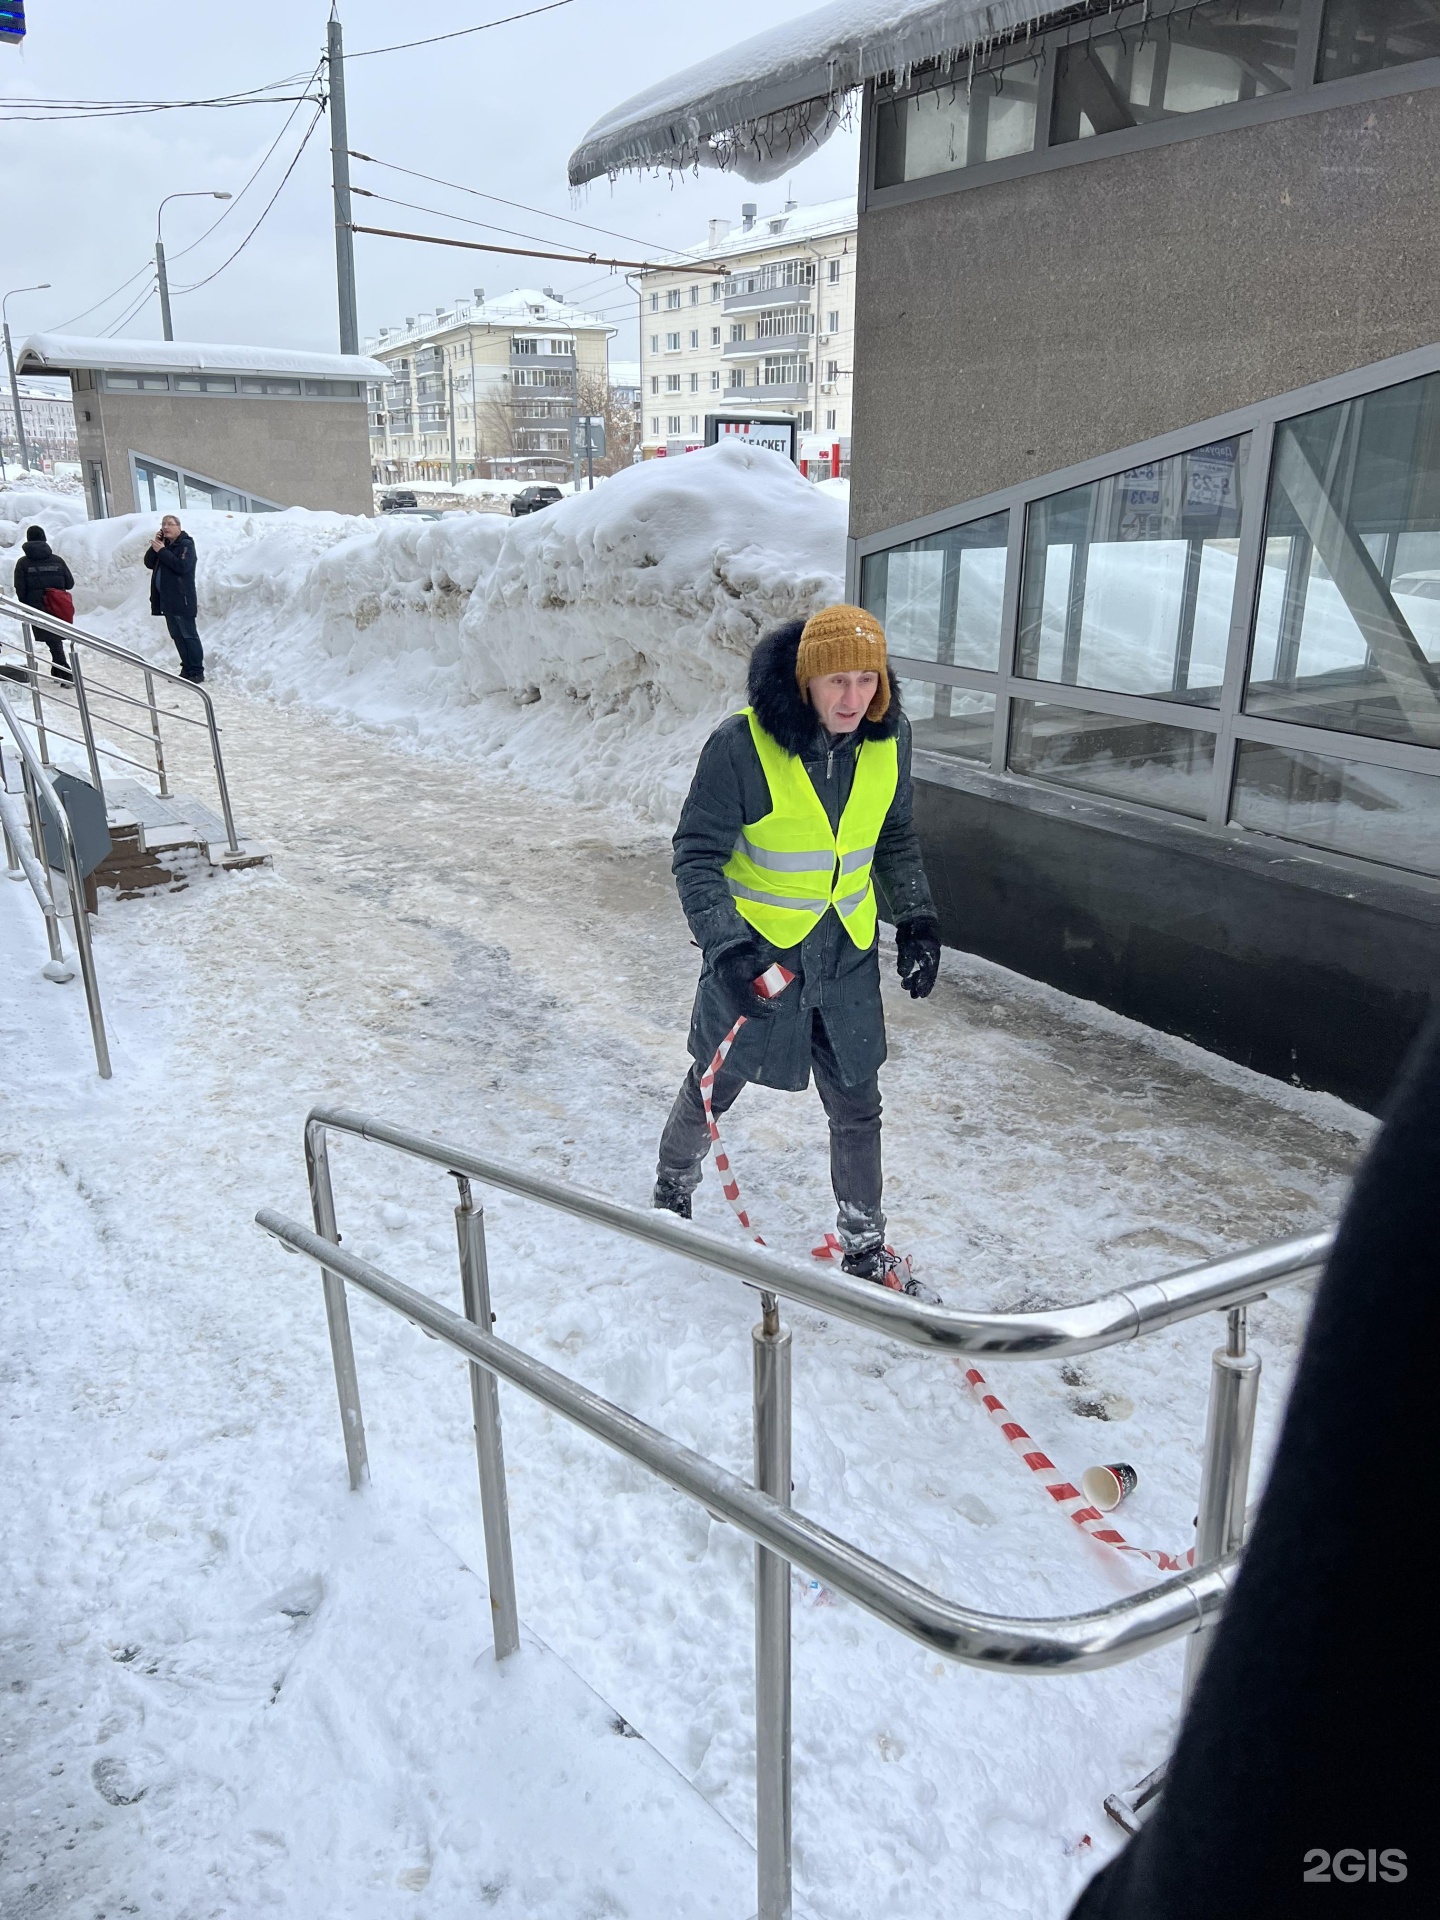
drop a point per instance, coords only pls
(597, 396)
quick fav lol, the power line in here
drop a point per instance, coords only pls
(484, 246)
(260, 168)
(295, 161)
(131, 311)
(414, 206)
(460, 33)
(149, 267)
(62, 110)
(519, 205)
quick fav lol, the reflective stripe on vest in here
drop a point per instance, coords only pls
(788, 868)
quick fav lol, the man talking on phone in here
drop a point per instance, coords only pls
(170, 558)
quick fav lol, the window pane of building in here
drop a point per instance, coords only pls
(1378, 813)
(1207, 56)
(1361, 36)
(963, 123)
(1114, 755)
(954, 720)
(1347, 624)
(1129, 582)
(940, 598)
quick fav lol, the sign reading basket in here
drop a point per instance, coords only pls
(777, 431)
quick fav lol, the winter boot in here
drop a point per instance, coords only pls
(672, 1195)
(868, 1257)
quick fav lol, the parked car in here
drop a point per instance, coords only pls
(533, 499)
(398, 501)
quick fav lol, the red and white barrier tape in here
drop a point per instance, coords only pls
(1068, 1499)
(769, 985)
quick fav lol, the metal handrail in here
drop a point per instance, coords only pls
(1067, 1643)
(110, 693)
(1044, 1333)
(1187, 1604)
(74, 638)
(38, 790)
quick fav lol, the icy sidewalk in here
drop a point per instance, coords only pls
(450, 951)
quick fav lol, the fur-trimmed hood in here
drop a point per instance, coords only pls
(782, 709)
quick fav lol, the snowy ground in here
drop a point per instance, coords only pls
(235, 1687)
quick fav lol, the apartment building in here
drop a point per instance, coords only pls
(491, 385)
(49, 416)
(775, 331)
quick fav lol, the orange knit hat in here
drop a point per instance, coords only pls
(844, 639)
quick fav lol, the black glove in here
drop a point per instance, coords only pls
(917, 955)
(736, 972)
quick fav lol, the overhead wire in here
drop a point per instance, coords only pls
(61, 110)
(85, 312)
(195, 285)
(459, 33)
(130, 312)
(255, 175)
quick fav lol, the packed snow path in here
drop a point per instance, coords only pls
(234, 1686)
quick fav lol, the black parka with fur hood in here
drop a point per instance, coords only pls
(834, 977)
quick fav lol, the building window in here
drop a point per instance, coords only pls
(654, 383)
(694, 423)
(1387, 814)
(672, 343)
(832, 321)
(714, 336)
(1363, 39)
(830, 419)
(832, 271)
(694, 338)
(1117, 755)
(940, 598)
(694, 296)
(946, 719)
(807, 422)
(672, 383)
(1206, 56)
(714, 290)
(673, 422)
(672, 298)
(737, 330)
(1347, 622)
(783, 370)
(694, 383)
(524, 346)
(655, 308)
(715, 380)
(654, 343)
(832, 369)
(736, 378)
(1129, 583)
(655, 423)
(959, 125)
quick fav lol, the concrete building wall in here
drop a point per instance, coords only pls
(1014, 328)
(298, 453)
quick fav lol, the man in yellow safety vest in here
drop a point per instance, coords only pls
(799, 804)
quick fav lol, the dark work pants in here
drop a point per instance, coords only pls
(187, 642)
(854, 1116)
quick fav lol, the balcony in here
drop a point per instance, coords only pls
(558, 360)
(799, 295)
(766, 349)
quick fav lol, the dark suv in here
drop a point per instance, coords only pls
(532, 499)
(398, 500)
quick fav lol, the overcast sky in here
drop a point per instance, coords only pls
(499, 111)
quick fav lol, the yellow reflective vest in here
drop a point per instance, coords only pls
(788, 868)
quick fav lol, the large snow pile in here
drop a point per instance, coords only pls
(589, 647)
(36, 503)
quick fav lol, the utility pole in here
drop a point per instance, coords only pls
(40, 287)
(450, 386)
(164, 284)
(340, 181)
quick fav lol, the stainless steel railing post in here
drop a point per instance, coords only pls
(772, 1620)
(36, 701)
(220, 781)
(155, 734)
(37, 842)
(1225, 1474)
(83, 705)
(489, 1451)
(337, 1311)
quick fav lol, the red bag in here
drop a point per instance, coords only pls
(60, 602)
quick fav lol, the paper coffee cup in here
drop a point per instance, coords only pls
(1106, 1487)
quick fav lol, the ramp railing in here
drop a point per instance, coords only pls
(42, 805)
(68, 700)
(1185, 1604)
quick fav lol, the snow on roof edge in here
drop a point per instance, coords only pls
(756, 107)
(59, 352)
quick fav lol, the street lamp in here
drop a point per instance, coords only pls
(205, 194)
(10, 362)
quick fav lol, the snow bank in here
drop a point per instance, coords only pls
(37, 504)
(588, 648)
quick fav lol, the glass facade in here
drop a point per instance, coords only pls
(1207, 56)
(1129, 582)
(1197, 633)
(1114, 75)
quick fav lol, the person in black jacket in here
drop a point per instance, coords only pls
(1302, 1760)
(36, 571)
(829, 1018)
(171, 560)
